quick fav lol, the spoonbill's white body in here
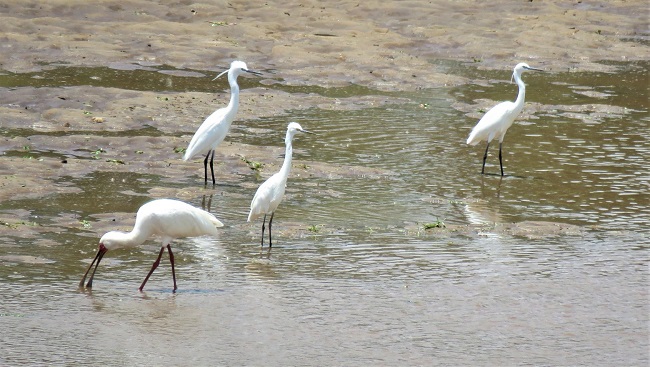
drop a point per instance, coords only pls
(167, 218)
(270, 193)
(215, 128)
(499, 118)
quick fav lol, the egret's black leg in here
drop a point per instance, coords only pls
(270, 220)
(205, 167)
(485, 158)
(171, 260)
(500, 161)
(263, 223)
(212, 168)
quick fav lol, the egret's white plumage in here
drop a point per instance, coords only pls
(166, 218)
(499, 118)
(270, 193)
(215, 128)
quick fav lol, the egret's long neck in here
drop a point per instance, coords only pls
(288, 153)
(234, 93)
(521, 96)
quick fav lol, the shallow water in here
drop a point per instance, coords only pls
(369, 285)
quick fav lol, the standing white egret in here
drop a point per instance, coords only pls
(215, 128)
(166, 218)
(499, 118)
(270, 193)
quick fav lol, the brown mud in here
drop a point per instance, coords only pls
(79, 130)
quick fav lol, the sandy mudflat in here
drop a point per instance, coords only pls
(381, 44)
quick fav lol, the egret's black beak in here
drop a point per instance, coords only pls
(252, 72)
(308, 132)
(533, 69)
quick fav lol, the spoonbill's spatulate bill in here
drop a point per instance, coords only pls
(270, 193)
(215, 128)
(167, 218)
(499, 118)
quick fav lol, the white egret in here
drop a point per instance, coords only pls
(167, 218)
(270, 193)
(215, 128)
(499, 118)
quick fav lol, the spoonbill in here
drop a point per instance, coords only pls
(270, 193)
(499, 118)
(215, 128)
(167, 218)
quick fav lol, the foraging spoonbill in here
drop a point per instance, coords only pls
(167, 218)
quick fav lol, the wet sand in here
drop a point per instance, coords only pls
(382, 44)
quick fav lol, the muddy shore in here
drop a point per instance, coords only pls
(373, 44)
(380, 44)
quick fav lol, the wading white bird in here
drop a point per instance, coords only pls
(270, 193)
(499, 118)
(215, 128)
(167, 218)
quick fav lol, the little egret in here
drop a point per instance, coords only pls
(166, 218)
(215, 128)
(499, 118)
(270, 193)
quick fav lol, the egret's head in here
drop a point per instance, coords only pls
(522, 66)
(295, 127)
(236, 68)
(292, 129)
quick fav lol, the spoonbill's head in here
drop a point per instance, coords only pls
(112, 240)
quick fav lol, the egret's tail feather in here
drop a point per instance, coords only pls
(186, 156)
(254, 214)
(472, 140)
(217, 223)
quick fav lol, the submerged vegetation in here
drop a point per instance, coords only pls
(254, 165)
(437, 224)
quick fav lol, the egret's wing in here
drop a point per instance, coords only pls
(211, 132)
(260, 203)
(491, 123)
(267, 197)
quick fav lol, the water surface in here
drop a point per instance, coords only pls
(368, 285)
